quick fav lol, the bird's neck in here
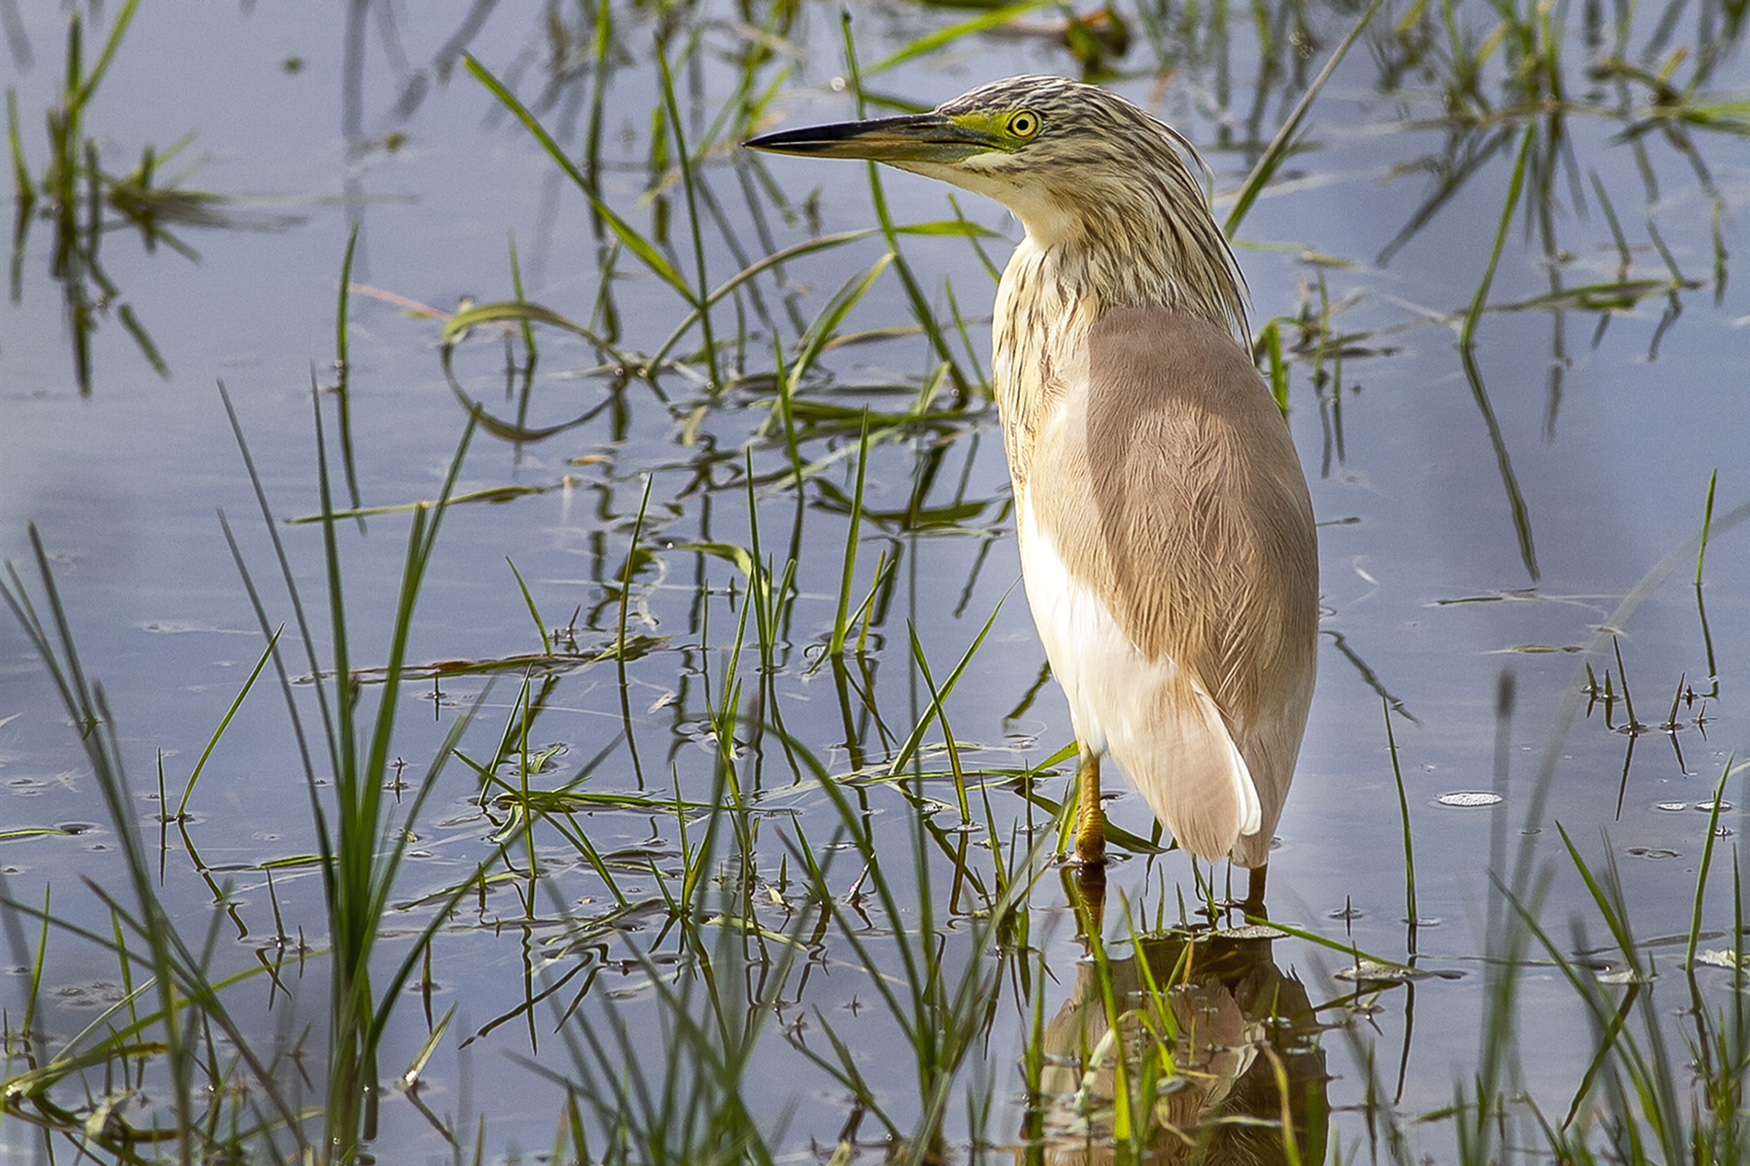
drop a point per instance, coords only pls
(1131, 260)
(1051, 293)
(1039, 325)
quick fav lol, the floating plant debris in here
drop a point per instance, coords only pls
(1468, 798)
(1373, 971)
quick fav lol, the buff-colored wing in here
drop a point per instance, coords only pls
(1167, 488)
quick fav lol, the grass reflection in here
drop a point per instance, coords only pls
(84, 202)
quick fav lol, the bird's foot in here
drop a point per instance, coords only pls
(1085, 891)
(1091, 840)
(1253, 903)
(1091, 882)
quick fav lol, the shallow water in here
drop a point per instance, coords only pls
(1430, 599)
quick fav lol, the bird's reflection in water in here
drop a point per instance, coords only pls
(1221, 1059)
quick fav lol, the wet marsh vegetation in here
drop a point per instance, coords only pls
(601, 724)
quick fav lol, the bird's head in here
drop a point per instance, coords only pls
(1081, 167)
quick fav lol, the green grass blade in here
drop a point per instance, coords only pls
(225, 721)
(1268, 162)
(634, 242)
(902, 758)
(694, 220)
(942, 37)
(841, 620)
(1707, 858)
(534, 612)
(1467, 330)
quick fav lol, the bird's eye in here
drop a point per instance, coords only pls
(1024, 124)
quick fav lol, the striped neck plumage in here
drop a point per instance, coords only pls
(1133, 251)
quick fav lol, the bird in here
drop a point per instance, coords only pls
(1165, 530)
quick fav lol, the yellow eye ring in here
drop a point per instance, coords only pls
(1024, 124)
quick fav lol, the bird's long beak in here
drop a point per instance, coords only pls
(923, 137)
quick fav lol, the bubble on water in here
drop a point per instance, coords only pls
(1671, 806)
(1467, 798)
(1625, 976)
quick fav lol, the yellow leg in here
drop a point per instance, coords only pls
(1090, 818)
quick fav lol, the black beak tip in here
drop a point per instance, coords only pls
(782, 141)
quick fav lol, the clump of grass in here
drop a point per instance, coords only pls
(698, 1102)
(362, 837)
(175, 1033)
(362, 840)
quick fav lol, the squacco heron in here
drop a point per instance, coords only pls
(1165, 532)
